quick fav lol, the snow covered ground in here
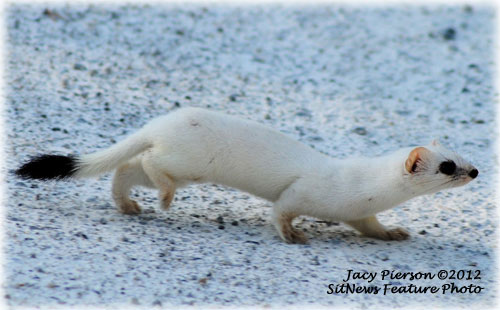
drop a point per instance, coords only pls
(345, 80)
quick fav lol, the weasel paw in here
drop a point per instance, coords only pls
(165, 204)
(166, 200)
(131, 208)
(397, 234)
(294, 236)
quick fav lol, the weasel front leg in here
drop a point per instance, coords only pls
(371, 227)
(160, 179)
(126, 176)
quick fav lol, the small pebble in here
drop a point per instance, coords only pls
(449, 34)
(304, 113)
(80, 234)
(316, 138)
(79, 67)
(360, 131)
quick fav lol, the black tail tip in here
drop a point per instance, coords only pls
(48, 167)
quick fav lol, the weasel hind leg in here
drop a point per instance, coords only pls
(283, 223)
(283, 213)
(160, 179)
(371, 227)
(126, 176)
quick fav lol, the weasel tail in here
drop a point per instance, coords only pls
(57, 167)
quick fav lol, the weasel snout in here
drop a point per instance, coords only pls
(473, 173)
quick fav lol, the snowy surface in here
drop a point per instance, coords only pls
(346, 80)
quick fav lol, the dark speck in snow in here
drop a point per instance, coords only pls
(360, 131)
(449, 34)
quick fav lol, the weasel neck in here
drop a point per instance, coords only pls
(374, 184)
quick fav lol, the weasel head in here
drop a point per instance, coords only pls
(432, 168)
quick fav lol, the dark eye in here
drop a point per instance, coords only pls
(447, 167)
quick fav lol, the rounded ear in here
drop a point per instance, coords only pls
(435, 142)
(415, 156)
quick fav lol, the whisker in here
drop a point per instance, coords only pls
(428, 182)
(438, 181)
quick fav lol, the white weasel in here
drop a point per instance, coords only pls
(193, 145)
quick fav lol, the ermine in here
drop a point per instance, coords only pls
(193, 145)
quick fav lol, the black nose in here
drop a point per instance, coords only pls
(473, 173)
